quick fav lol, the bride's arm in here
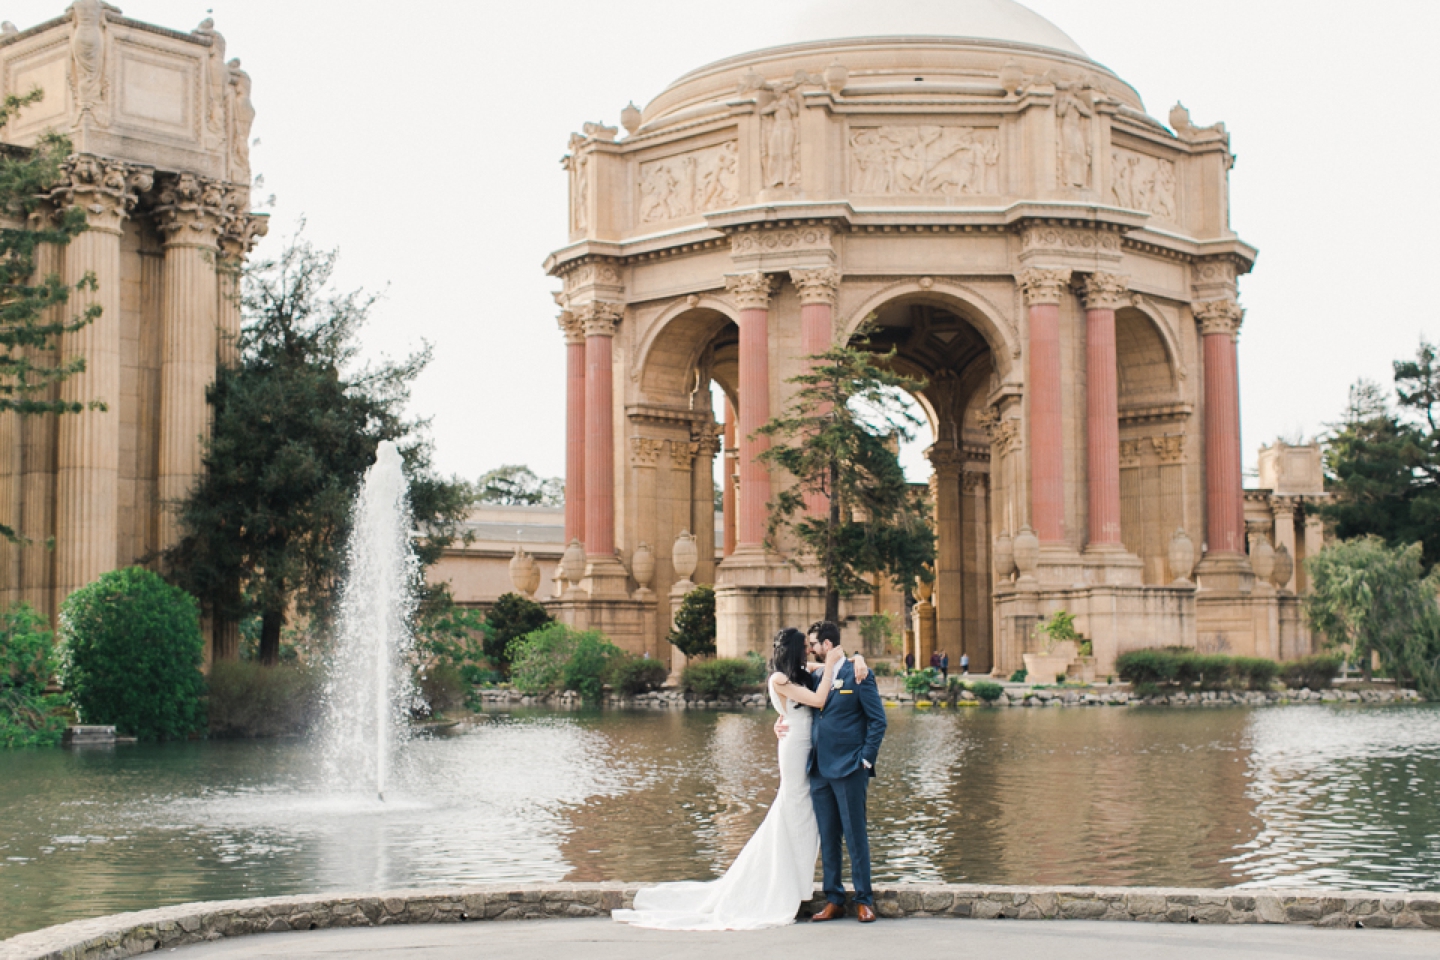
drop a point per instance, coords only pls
(811, 698)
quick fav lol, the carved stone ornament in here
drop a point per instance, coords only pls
(240, 234)
(106, 190)
(695, 182)
(817, 286)
(683, 453)
(1027, 553)
(192, 210)
(780, 241)
(1219, 317)
(1262, 558)
(685, 556)
(645, 451)
(1170, 448)
(1182, 557)
(1106, 291)
(571, 327)
(1043, 285)
(1004, 557)
(1143, 182)
(642, 568)
(1284, 568)
(90, 82)
(1047, 237)
(780, 137)
(924, 160)
(241, 119)
(1073, 115)
(598, 318)
(578, 164)
(750, 290)
(573, 562)
(523, 571)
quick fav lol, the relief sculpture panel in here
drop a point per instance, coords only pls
(1143, 182)
(924, 160)
(691, 183)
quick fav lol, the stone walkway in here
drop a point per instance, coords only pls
(840, 940)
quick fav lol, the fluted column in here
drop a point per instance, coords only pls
(88, 445)
(752, 292)
(39, 433)
(727, 481)
(191, 216)
(574, 333)
(240, 234)
(1042, 290)
(702, 499)
(598, 321)
(1224, 494)
(947, 462)
(1104, 292)
(1282, 510)
(818, 288)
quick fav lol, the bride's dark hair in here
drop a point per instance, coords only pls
(791, 655)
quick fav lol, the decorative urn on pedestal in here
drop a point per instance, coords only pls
(642, 568)
(1004, 557)
(1284, 569)
(685, 557)
(573, 565)
(524, 574)
(1027, 556)
(1182, 558)
(1262, 559)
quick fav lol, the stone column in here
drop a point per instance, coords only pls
(1224, 494)
(1042, 290)
(88, 446)
(817, 288)
(39, 433)
(574, 426)
(728, 467)
(1104, 292)
(598, 320)
(947, 463)
(190, 215)
(1282, 509)
(702, 499)
(11, 480)
(1314, 543)
(752, 292)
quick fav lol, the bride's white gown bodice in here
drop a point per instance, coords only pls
(775, 872)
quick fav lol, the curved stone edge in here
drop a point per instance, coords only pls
(131, 934)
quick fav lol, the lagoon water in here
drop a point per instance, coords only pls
(1338, 796)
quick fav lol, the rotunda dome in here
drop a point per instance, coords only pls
(1003, 20)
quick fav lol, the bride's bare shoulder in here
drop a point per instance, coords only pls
(778, 679)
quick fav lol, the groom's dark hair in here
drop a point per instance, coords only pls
(823, 630)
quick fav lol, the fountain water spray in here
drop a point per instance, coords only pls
(369, 693)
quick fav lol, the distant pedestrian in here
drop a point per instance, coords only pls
(909, 661)
(945, 667)
(935, 660)
(965, 664)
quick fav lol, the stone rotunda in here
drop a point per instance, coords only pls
(1056, 265)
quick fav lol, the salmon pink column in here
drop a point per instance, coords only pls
(817, 288)
(1104, 292)
(752, 291)
(1042, 290)
(1224, 495)
(598, 321)
(574, 426)
(727, 480)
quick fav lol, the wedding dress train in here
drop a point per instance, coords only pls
(775, 872)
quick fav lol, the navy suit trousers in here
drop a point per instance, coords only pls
(840, 812)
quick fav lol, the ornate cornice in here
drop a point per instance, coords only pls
(107, 190)
(1218, 317)
(751, 290)
(598, 318)
(820, 285)
(1106, 291)
(1043, 285)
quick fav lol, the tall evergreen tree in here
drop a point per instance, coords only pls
(296, 425)
(838, 438)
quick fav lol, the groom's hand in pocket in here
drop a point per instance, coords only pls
(781, 728)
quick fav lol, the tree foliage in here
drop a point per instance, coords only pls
(511, 617)
(29, 716)
(130, 655)
(694, 630)
(1383, 462)
(32, 308)
(838, 438)
(514, 485)
(555, 657)
(1368, 597)
(296, 425)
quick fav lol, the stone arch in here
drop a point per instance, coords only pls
(958, 298)
(1147, 356)
(673, 346)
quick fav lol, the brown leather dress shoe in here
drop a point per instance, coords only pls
(865, 912)
(831, 911)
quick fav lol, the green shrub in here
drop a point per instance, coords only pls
(443, 688)
(986, 690)
(28, 715)
(880, 634)
(1019, 676)
(722, 679)
(131, 651)
(1256, 673)
(883, 668)
(1315, 672)
(919, 682)
(1205, 671)
(694, 632)
(251, 700)
(632, 675)
(1146, 666)
(556, 657)
(511, 618)
(590, 663)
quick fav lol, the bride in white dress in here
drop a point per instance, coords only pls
(775, 872)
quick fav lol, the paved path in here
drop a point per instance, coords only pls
(840, 940)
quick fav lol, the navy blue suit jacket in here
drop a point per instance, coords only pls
(849, 728)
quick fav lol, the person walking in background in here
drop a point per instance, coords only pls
(935, 660)
(910, 661)
(945, 667)
(965, 664)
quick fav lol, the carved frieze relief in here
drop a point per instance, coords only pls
(1163, 449)
(689, 183)
(1074, 114)
(645, 451)
(780, 241)
(1143, 182)
(924, 160)
(1069, 240)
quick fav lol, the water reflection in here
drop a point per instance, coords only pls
(1317, 795)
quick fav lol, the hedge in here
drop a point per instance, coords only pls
(1185, 668)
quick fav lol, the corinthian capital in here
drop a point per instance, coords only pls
(597, 318)
(240, 234)
(817, 286)
(1218, 316)
(751, 290)
(1043, 285)
(1106, 291)
(193, 210)
(107, 190)
(571, 327)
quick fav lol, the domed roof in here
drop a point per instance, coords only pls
(1003, 20)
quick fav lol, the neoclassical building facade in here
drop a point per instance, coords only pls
(1054, 263)
(160, 122)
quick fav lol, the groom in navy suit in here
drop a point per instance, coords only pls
(845, 737)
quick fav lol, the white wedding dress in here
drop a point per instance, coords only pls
(775, 872)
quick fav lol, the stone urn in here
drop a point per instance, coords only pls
(1004, 557)
(524, 573)
(1011, 76)
(686, 555)
(630, 118)
(573, 562)
(1182, 558)
(1262, 559)
(1284, 568)
(1027, 553)
(642, 568)
(835, 77)
(924, 591)
(557, 580)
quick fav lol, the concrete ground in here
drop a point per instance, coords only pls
(839, 940)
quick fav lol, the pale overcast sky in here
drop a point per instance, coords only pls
(423, 140)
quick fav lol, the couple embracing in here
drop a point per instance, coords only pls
(830, 727)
